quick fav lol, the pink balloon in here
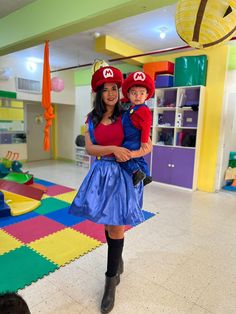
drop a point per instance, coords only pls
(57, 84)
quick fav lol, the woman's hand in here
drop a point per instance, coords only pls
(145, 149)
(122, 154)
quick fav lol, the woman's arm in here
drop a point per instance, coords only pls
(121, 153)
(145, 149)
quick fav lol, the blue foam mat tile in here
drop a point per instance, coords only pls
(6, 221)
(44, 182)
(147, 215)
(229, 188)
(63, 216)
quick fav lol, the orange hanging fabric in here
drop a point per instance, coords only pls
(46, 97)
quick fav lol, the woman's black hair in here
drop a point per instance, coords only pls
(99, 108)
(13, 303)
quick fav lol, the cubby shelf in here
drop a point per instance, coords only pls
(176, 134)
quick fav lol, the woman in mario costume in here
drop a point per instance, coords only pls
(107, 195)
(137, 121)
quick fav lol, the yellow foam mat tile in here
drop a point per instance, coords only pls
(64, 246)
(67, 197)
(8, 243)
(45, 196)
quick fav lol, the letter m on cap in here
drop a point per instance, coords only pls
(108, 73)
(139, 76)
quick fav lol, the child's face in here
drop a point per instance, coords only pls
(137, 95)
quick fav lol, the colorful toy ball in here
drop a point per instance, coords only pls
(57, 84)
(205, 23)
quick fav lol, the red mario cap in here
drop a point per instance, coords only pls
(106, 75)
(138, 79)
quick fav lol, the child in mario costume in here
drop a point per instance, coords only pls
(137, 121)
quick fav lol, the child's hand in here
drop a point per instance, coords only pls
(122, 154)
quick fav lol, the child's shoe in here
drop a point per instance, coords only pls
(138, 176)
(147, 180)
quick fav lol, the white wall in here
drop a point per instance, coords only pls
(67, 96)
(64, 98)
(231, 108)
(228, 128)
(65, 134)
(83, 105)
(15, 148)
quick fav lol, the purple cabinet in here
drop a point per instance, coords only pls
(162, 158)
(182, 167)
(173, 165)
(5, 138)
(147, 158)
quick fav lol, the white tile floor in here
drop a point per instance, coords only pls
(181, 261)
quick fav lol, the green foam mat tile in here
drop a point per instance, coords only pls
(49, 205)
(21, 267)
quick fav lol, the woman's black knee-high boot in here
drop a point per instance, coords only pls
(121, 262)
(115, 247)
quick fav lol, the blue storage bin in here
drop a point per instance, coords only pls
(164, 80)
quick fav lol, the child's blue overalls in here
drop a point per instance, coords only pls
(132, 141)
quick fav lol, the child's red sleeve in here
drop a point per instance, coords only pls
(142, 120)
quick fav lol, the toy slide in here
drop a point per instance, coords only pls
(4, 208)
(18, 177)
(21, 189)
(20, 204)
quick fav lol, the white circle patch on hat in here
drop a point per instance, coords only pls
(108, 73)
(139, 76)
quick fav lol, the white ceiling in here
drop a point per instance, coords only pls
(141, 31)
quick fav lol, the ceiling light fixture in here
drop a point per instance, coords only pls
(35, 60)
(163, 30)
(96, 34)
(31, 66)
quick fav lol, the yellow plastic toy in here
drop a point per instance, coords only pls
(205, 23)
(19, 204)
(98, 64)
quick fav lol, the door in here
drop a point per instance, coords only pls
(35, 133)
(182, 167)
(161, 164)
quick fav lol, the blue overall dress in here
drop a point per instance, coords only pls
(132, 141)
(107, 195)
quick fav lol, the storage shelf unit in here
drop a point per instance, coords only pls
(82, 159)
(176, 134)
(12, 126)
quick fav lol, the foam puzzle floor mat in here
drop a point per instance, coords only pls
(37, 243)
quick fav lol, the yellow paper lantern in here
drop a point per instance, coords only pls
(205, 23)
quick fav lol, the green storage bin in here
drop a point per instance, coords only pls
(232, 163)
(190, 71)
(232, 156)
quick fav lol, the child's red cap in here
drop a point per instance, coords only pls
(138, 79)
